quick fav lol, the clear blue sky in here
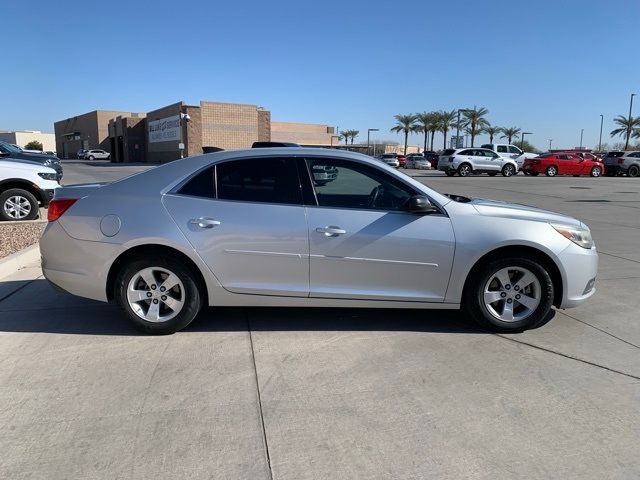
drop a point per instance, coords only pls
(549, 67)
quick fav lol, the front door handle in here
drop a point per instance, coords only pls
(204, 222)
(331, 231)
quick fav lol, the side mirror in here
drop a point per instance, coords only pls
(421, 204)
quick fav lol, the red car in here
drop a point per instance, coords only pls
(401, 159)
(564, 163)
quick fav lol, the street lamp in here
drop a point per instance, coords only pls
(581, 134)
(600, 141)
(626, 145)
(458, 124)
(522, 138)
(550, 140)
(369, 130)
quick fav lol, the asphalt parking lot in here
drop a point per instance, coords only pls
(253, 393)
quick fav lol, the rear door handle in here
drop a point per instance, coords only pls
(331, 231)
(204, 222)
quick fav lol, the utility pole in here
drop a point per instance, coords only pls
(581, 133)
(600, 141)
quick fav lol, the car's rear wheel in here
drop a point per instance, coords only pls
(464, 170)
(509, 294)
(596, 171)
(91, 157)
(508, 170)
(18, 204)
(158, 294)
(633, 171)
(551, 171)
(450, 173)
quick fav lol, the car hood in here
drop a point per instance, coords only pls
(497, 208)
(24, 165)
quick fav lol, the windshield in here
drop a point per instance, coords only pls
(10, 148)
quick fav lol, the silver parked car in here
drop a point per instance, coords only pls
(390, 159)
(467, 161)
(255, 228)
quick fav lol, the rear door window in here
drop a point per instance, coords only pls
(502, 149)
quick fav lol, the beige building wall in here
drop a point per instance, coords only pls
(22, 137)
(229, 125)
(302, 133)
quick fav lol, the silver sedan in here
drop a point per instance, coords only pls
(258, 228)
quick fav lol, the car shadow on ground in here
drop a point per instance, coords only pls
(49, 311)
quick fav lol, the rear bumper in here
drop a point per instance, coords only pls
(580, 270)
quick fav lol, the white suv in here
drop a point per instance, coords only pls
(465, 161)
(96, 154)
(619, 163)
(24, 187)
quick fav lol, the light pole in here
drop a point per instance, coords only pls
(458, 125)
(600, 141)
(581, 134)
(522, 139)
(369, 130)
(626, 145)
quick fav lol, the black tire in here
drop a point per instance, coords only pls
(450, 173)
(551, 171)
(633, 171)
(473, 297)
(464, 170)
(193, 298)
(508, 170)
(21, 194)
(596, 171)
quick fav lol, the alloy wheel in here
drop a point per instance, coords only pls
(512, 294)
(156, 294)
(552, 171)
(17, 207)
(595, 172)
(464, 170)
(507, 171)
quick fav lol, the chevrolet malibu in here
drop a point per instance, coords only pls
(256, 228)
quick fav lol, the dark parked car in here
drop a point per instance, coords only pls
(432, 158)
(273, 144)
(9, 152)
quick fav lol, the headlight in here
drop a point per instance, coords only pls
(48, 176)
(579, 236)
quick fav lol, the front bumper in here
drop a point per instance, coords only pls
(580, 268)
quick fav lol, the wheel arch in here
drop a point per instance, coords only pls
(154, 249)
(529, 252)
(24, 185)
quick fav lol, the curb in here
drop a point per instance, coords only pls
(14, 262)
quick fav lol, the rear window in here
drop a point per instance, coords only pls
(614, 154)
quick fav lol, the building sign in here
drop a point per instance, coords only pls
(165, 130)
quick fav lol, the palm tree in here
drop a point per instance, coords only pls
(510, 133)
(434, 126)
(353, 134)
(406, 124)
(628, 127)
(424, 121)
(492, 131)
(475, 121)
(344, 135)
(446, 121)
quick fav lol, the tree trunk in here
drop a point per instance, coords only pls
(433, 134)
(406, 139)
(491, 138)
(626, 143)
(444, 133)
(426, 135)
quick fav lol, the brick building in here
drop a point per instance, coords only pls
(180, 129)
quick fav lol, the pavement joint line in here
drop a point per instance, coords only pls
(600, 330)
(27, 282)
(255, 371)
(565, 355)
(616, 256)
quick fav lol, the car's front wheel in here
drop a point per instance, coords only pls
(509, 294)
(596, 171)
(551, 171)
(18, 204)
(464, 170)
(158, 294)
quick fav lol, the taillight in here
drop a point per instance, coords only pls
(451, 159)
(58, 206)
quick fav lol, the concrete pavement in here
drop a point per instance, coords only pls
(335, 393)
